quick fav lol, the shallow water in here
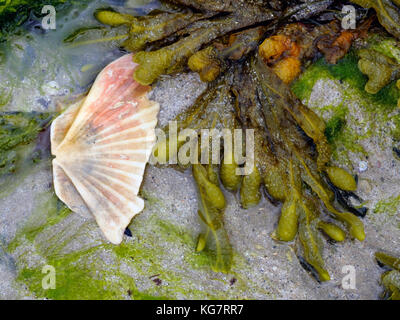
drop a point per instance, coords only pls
(38, 69)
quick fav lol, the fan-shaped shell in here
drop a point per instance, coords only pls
(101, 146)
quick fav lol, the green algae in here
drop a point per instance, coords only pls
(83, 273)
(346, 70)
(77, 279)
(334, 127)
(304, 85)
(73, 270)
(17, 129)
(168, 232)
(9, 182)
(19, 155)
(342, 138)
(387, 46)
(148, 197)
(347, 141)
(5, 96)
(198, 261)
(390, 206)
(379, 109)
(48, 212)
(396, 129)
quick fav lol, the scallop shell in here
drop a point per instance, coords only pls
(101, 146)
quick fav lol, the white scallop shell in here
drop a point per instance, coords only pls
(101, 146)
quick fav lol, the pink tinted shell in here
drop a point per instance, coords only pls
(101, 146)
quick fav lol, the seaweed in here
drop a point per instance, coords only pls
(390, 279)
(248, 89)
(334, 127)
(211, 61)
(301, 211)
(214, 240)
(18, 129)
(170, 58)
(380, 69)
(148, 29)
